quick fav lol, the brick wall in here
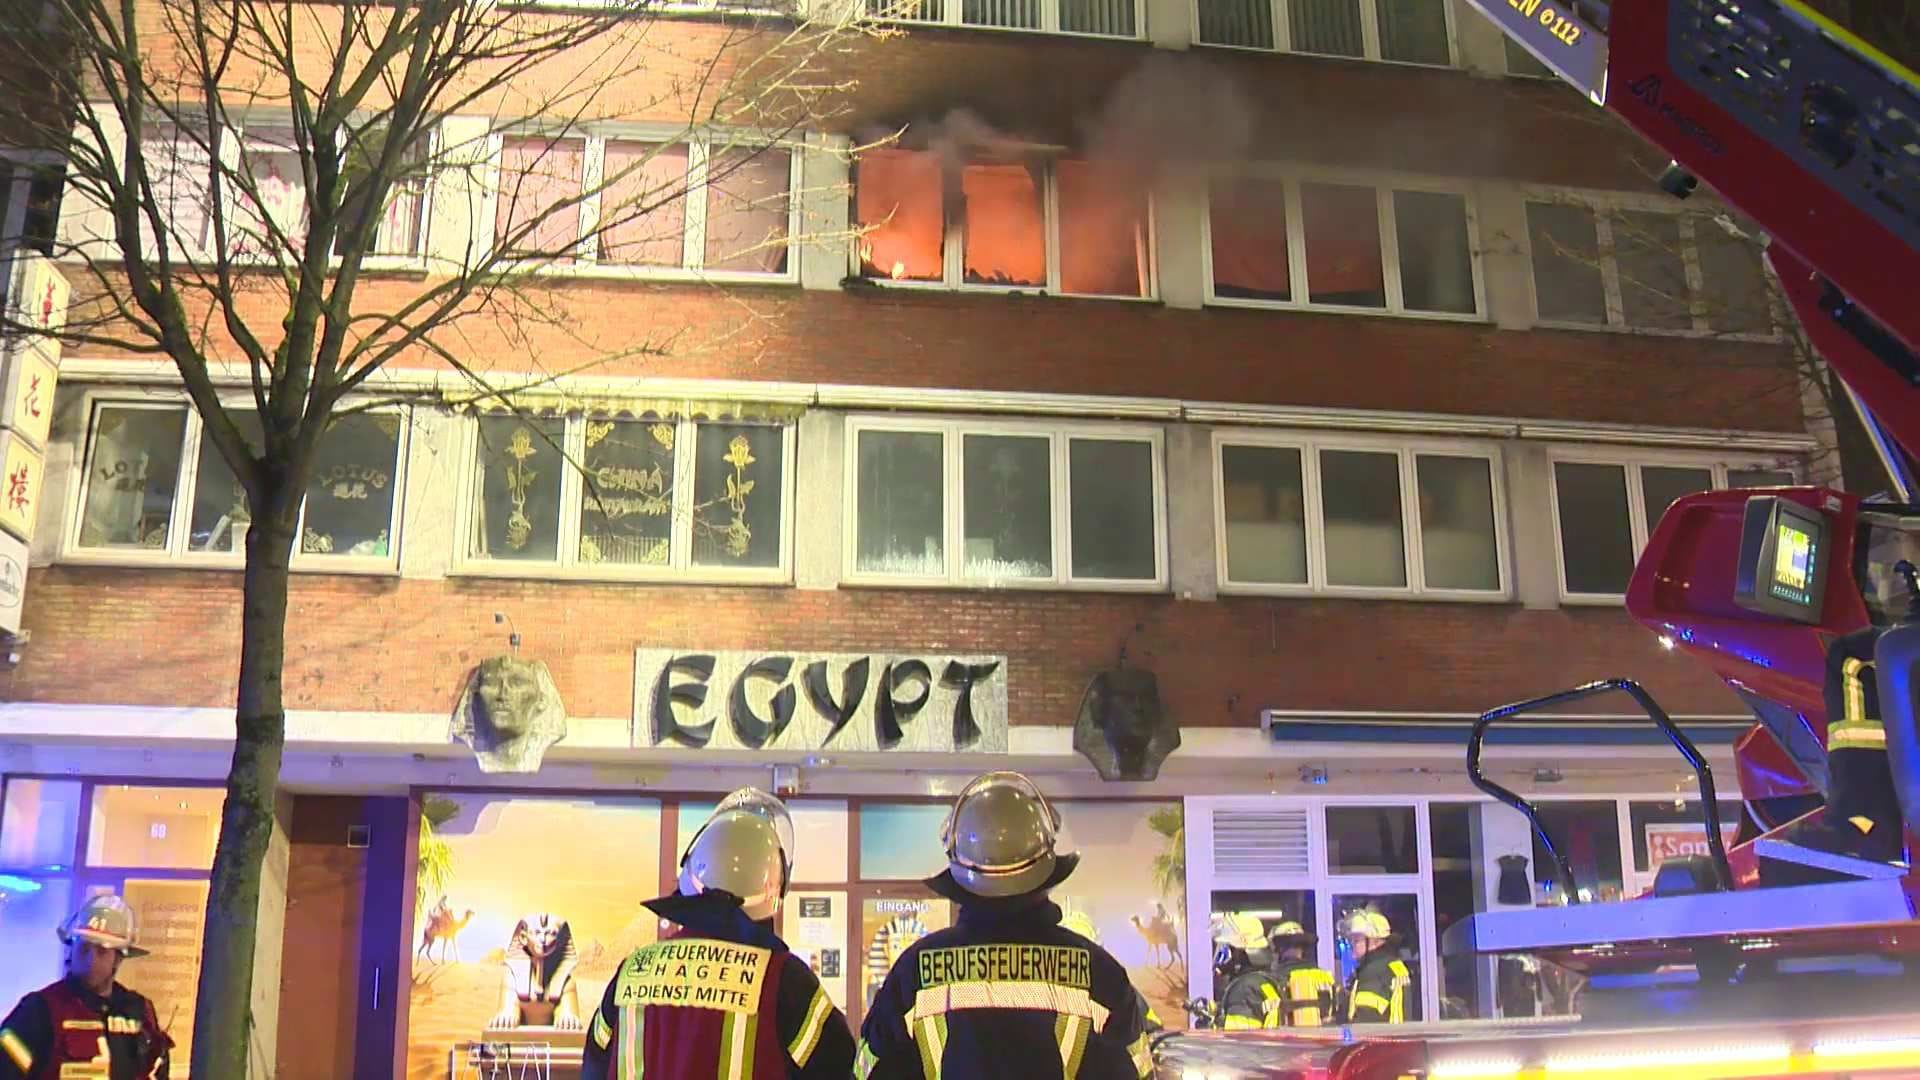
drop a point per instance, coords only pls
(169, 639)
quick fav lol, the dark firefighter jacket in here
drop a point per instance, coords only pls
(1860, 783)
(68, 1031)
(724, 998)
(1306, 993)
(1378, 993)
(1005, 984)
(1251, 1000)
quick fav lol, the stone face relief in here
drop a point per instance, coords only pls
(1122, 728)
(509, 713)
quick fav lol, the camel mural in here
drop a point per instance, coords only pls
(1161, 936)
(442, 928)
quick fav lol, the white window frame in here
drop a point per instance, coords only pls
(953, 496)
(954, 257)
(1603, 206)
(1049, 22)
(180, 516)
(1383, 187)
(1638, 525)
(1369, 35)
(1407, 452)
(693, 251)
(679, 567)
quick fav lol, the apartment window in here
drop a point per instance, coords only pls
(629, 497)
(1605, 510)
(1070, 227)
(1299, 515)
(647, 206)
(30, 186)
(1597, 265)
(1406, 31)
(157, 489)
(1006, 504)
(1098, 18)
(1339, 245)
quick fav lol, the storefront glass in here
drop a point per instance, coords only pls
(901, 841)
(154, 827)
(1663, 830)
(1372, 840)
(1588, 834)
(1272, 907)
(1450, 825)
(1402, 912)
(39, 824)
(819, 836)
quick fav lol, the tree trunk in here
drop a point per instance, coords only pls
(222, 1020)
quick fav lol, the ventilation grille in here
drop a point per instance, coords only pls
(1260, 842)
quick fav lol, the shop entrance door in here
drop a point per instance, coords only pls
(891, 918)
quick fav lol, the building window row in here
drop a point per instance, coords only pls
(1095, 18)
(1404, 31)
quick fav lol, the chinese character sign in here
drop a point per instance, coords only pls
(38, 296)
(27, 408)
(20, 475)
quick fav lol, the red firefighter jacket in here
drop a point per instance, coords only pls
(68, 1031)
(723, 999)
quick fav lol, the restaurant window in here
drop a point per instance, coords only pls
(1406, 31)
(1066, 227)
(1297, 515)
(1604, 512)
(627, 497)
(992, 486)
(1597, 264)
(157, 489)
(1279, 242)
(719, 207)
(1403, 915)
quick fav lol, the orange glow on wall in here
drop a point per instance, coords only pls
(1248, 220)
(898, 200)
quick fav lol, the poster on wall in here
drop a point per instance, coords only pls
(171, 916)
(814, 926)
(889, 925)
(524, 909)
(1131, 891)
(1675, 840)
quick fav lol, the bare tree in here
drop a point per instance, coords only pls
(238, 170)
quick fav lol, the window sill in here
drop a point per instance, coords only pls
(346, 566)
(1596, 600)
(1336, 592)
(881, 581)
(1659, 332)
(693, 576)
(1474, 319)
(666, 274)
(928, 24)
(1275, 50)
(941, 287)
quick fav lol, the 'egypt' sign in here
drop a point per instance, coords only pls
(829, 702)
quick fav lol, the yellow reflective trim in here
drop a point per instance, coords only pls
(16, 1049)
(1071, 1033)
(1861, 822)
(930, 1035)
(1856, 690)
(602, 1033)
(864, 1061)
(1398, 968)
(1267, 991)
(811, 1028)
(1141, 1051)
(1862, 735)
(1367, 999)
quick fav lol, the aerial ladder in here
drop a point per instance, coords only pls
(1775, 955)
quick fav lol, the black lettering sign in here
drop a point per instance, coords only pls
(753, 732)
(966, 731)
(890, 712)
(853, 690)
(816, 907)
(666, 694)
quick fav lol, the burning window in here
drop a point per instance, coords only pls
(900, 205)
(1248, 220)
(643, 211)
(1005, 225)
(1103, 231)
(540, 185)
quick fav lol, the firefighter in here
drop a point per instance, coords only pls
(721, 996)
(1378, 991)
(1306, 989)
(1080, 923)
(88, 1026)
(1251, 997)
(1006, 983)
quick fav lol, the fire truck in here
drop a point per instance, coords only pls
(1782, 953)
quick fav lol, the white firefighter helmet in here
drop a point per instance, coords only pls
(105, 920)
(1239, 929)
(1078, 922)
(1000, 838)
(1366, 923)
(744, 849)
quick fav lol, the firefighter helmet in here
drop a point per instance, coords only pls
(1366, 923)
(1079, 923)
(1239, 929)
(1000, 838)
(104, 920)
(742, 850)
(1289, 932)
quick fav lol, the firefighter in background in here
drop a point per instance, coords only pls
(722, 996)
(87, 1026)
(1306, 988)
(1377, 993)
(1080, 923)
(1005, 987)
(1250, 996)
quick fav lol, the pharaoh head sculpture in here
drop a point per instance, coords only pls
(509, 713)
(1121, 728)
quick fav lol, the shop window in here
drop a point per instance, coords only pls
(819, 830)
(1402, 912)
(889, 925)
(39, 825)
(510, 877)
(172, 917)
(1450, 827)
(1012, 528)
(154, 828)
(710, 207)
(1588, 834)
(1372, 840)
(631, 497)
(30, 909)
(1366, 248)
(998, 215)
(1272, 907)
(156, 488)
(1130, 892)
(901, 841)
(1665, 830)
(1295, 515)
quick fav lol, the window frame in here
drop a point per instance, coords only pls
(566, 565)
(953, 255)
(1383, 187)
(180, 515)
(1369, 36)
(1049, 22)
(953, 502)
(1633, 461)
(1604, 206)
(693, 236)
(1408, 452)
